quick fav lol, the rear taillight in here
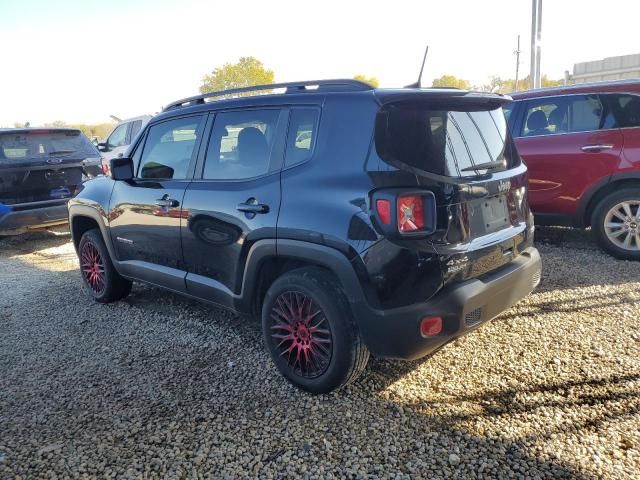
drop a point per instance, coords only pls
(399, 213)
(410, 213)
(383, 207)
(106, 168)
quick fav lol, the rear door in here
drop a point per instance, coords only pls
(145, 213)
(569, 143)
(234, 200)
(626, 109)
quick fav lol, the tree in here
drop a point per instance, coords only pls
(451, 81)
(373, 81)
(507, 85)
(247, 72)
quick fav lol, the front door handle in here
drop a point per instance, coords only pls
(167, 202)
(596, 148)
(251, 207)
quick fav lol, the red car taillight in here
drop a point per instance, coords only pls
(383, 207)
(410, 213)
(106, 168)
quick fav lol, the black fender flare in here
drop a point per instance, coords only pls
(78, 210)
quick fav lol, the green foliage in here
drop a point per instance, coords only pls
(451, 81)
(247, 72)
(91, 130)
(373, 81)
(507, 85)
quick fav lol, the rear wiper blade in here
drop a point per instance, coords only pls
(486, 166)
(61, 152)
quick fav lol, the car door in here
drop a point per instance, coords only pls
(234, 200)
(146, 213)
(117, 142)
(568, 146)
(626, 109)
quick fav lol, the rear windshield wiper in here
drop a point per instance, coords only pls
(486, 166)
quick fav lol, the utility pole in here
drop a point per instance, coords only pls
(517, 54)
(536, 36)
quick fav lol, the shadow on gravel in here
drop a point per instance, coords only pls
(33, 241)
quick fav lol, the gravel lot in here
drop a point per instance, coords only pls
(162, 387)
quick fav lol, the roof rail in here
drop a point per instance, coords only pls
(291, 87)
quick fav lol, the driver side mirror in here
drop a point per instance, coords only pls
(103, 146)
(121, 168)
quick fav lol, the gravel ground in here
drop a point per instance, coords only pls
(158, 386)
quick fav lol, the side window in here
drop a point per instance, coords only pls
(565, 114)
(241, 144)
(118, 137)
(169, 148)
(135, 128)
(626, 110)
(585, 113)
(303, 128)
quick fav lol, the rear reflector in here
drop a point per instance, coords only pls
(106, 168)
(410, 213)
(383, 207)
(430, 326)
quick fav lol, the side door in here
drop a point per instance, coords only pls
(117, 142)
(146, 213)
(234, 200)
(568, 146)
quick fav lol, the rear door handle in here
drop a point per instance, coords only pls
(596, 148)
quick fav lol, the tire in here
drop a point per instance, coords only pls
(100, 278)
(616, 223)
(310, 333)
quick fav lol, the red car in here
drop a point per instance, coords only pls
(582, 146)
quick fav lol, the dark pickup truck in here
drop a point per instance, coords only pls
(40, 169)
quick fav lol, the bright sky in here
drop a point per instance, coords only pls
(81, 60)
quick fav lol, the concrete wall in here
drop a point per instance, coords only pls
(611, 68)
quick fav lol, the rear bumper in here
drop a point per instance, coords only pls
(21, 220)
(463, 307)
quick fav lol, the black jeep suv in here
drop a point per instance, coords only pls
(351, 220)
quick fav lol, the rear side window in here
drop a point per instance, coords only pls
(303, 127)
(44, 144)
(563, 114)
(445, 142)
(135, 128)
(169, 148)
(626, 109)
(241, 144)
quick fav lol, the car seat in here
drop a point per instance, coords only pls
(537, 123)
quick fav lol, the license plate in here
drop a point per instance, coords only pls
(494, 214)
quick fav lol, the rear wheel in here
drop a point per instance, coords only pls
(99, 276)
(616, 223)
(309, 331)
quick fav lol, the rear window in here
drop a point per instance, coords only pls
(445, 142)
(34, 145)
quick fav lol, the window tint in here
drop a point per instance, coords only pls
(303, 125)
(135, 128)
(444, 142)
(118, 137)
(507, 109)
(241, 144)
(626, 110)
(571, 113)
(169, 148)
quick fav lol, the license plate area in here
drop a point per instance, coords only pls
(489, 215)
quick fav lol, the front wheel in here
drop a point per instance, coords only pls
(99, 276)
(616, 223)
(309, 331)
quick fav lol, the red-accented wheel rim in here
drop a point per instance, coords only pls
(301, 334)
(92, 267)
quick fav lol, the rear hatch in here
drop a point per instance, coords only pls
(453, 180)
(44, 166)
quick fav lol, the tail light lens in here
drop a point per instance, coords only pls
(106, 168)
(399, 213)
(410, 213)
(430, 326)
